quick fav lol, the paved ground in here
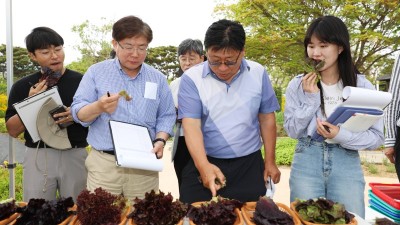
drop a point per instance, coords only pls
(19, 149)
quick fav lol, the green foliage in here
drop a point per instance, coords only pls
(23, 65)
(278, 93)
(372, 168)
(285, 150)
(390, 168)
(3, 128)
(385, 162)
(321, 211)
(94, 48)
(163, 58)
(276, 29)
(4, 183)
(3, 105)
(279, 117)
(95, 45)
(3, 86)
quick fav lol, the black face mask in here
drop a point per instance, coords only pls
(50, 76)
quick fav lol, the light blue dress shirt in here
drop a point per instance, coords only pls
(151, 106)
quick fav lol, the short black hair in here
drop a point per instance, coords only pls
(41, 38)
(190, 45)
(225, 34)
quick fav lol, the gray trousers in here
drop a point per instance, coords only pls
(48, 171)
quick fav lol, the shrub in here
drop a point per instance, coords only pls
(278, 93)
(3, 105)
(279, 124)
(3, 86)
(285, 150)
(5, 184)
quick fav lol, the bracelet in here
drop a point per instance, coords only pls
(159, 139)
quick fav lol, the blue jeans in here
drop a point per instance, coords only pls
(327, 170)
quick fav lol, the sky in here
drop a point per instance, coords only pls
(171, 20)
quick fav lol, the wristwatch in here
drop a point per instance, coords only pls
(159, 139)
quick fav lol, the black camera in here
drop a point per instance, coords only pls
(59, 109)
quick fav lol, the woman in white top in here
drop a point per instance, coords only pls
(330, 168)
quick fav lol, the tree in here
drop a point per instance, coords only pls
(95, 45)
(23, 65)
(165, 59)
(276, 30)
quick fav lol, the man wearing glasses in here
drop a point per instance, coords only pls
(147, 101)
(51, 170)
(226, 105)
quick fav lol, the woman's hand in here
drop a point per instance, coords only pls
(326, 129)
(309, 82)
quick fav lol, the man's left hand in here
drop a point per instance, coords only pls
(271, 170)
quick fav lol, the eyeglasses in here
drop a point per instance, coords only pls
(130, 49)
(227, 63)
(50, 51)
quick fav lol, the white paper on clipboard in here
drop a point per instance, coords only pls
(133, 145)
(29, 108)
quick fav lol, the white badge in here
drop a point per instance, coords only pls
(150, 90)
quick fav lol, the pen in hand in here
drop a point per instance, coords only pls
(32, 85)
(108, 94)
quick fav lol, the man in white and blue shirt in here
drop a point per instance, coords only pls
(227, 107)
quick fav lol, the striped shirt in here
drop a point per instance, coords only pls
(151, 106)
(392, 112)
(228, 112)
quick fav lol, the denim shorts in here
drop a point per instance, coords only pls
(327, 170)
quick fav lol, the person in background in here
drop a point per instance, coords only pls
(330, 168)
(97, 101)
(190, 53)
(226, 104)
(112, 54)
(392, 119)
(49, 172)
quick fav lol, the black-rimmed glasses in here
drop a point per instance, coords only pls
(130, 49)
(227, 63)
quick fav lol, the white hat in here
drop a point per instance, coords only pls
(50, 133)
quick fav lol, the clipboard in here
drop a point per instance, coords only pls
(28, 109)
(343, 113)
(132, 145)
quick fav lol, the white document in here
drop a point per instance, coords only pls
(361, 122)
(29, 108)
(365, 98)
(150, 90)
(133, 145)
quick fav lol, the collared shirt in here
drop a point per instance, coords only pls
(302, 110)
(228, 112)
(151, 106)
(392, 112)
